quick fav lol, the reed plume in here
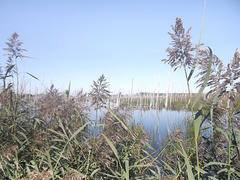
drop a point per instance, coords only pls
(180, 54)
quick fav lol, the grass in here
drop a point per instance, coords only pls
(47, 136)
(62, 148)
(192, 162)
(153, 101)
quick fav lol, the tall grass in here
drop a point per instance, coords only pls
(47, 136)
(144, 100)
(199, 157)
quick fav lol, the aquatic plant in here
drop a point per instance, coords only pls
(14, 50)
(46, 136)
(181, 52)
(222, 86)
(99, 93)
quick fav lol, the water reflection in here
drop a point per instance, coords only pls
(159, 123)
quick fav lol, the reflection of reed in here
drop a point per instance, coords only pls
(158, 126)
(153, 119)
(154, 129)
(167, 122)
(159, 123)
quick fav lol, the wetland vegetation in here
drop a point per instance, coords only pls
(48, 136)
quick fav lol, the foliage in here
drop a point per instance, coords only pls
(60, 147)
(47, 136)
(210, 149)
(118, 150)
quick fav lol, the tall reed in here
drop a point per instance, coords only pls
(223, 85)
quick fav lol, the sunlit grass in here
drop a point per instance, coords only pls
(47, 136)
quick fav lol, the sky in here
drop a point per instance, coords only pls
(77, 41)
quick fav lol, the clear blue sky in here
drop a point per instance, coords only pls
(78, 40)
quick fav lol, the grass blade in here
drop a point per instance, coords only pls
(32, 76)
(199, 94)
(127, 169)
(169, 168)
(215, 163)
(196, 123)
(189, 168)
(199, 43)
(111, 146)
(73, 136)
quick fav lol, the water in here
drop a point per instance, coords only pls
(158, 123)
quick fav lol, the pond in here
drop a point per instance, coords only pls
(159, 122)
(156, 122)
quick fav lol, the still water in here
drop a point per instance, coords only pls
(158, 123)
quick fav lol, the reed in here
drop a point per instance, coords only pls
(218, 78)
(48, 136)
